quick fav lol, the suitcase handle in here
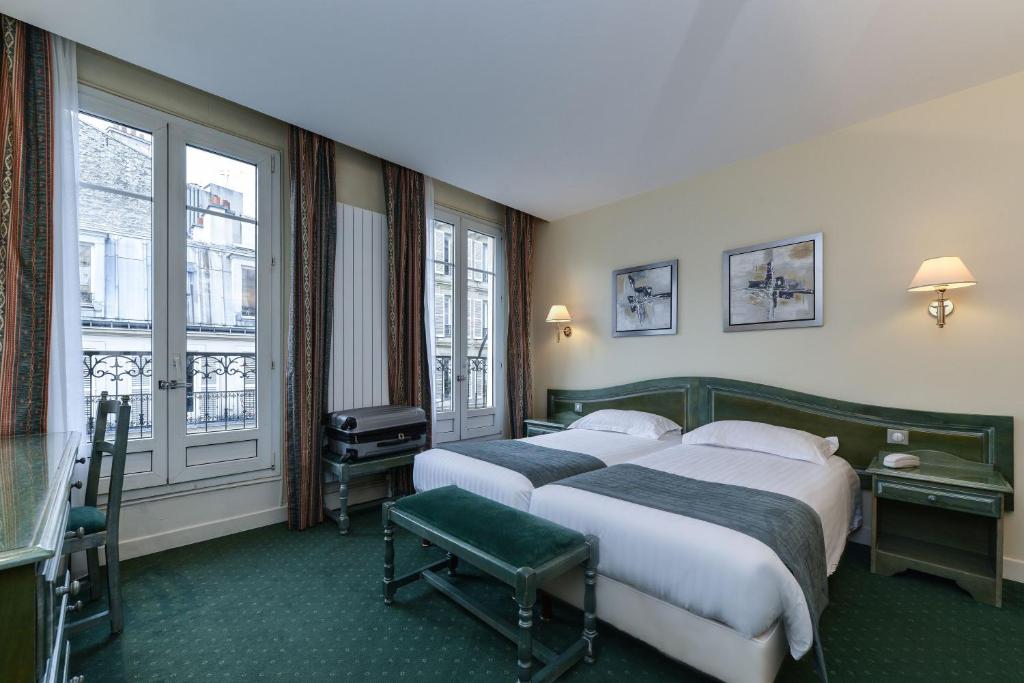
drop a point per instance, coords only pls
(402, 438)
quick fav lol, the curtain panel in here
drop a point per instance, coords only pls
(314, 230)
(519, 376)
(26, 225)
(408, 365)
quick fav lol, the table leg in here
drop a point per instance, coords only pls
(389, 556)
(343, 520)
(453, 564)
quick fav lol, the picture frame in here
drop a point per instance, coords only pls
(774, 285)
(645, 299)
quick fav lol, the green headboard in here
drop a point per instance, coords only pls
(693, 401)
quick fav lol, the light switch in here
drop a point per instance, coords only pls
(897, 436)
(578, 407)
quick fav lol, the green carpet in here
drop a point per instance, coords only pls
(271, 604)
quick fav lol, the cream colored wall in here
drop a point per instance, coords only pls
(940, 178)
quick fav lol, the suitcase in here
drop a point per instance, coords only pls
(365, 433)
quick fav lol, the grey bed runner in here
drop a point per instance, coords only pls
(788, 526)
(538, 464)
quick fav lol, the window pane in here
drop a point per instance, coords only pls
(115, 266)
(444, 270)
(479, 324)
(221, 292)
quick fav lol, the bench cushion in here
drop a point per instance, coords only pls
(515, 537)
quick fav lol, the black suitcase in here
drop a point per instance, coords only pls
(364, 433)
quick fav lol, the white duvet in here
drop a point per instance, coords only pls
(704, 568)
(438, 467)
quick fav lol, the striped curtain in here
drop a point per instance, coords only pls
(408, 365)
(26, 226)
(519, 260)
(314, 227)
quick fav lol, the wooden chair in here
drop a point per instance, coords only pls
(89, 527)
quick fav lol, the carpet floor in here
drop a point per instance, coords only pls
(270, 604)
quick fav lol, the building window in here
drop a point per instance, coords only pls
(248, 291)
(85, 273)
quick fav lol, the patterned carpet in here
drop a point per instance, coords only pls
(270, 604)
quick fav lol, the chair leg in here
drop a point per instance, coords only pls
(114, 587)
(92, 560)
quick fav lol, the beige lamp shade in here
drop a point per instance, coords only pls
(943, 272)
(559, 314)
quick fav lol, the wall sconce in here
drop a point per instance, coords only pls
(938, 275)
(560, 314)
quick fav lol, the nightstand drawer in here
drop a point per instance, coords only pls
(538, 427)
(988, 505)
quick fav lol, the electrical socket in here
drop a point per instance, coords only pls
(578, 407)
(897, 436)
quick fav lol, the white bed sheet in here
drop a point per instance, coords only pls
(707, 569)
(437, 467)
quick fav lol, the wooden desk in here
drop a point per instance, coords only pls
(35, 586)
(943, 518)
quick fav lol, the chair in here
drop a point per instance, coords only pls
(89, 527)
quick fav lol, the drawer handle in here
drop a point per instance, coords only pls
(71, 589)
(75, 607)
(931, 497)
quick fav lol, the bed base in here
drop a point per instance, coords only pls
(705, 645)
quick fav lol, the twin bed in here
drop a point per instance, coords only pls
(707, 591)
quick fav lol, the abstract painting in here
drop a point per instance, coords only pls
(644, 299)
(773, 285)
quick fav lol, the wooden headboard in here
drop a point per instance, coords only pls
(694, 401)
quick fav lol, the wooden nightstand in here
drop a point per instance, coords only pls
(536, 427)
(943, 518)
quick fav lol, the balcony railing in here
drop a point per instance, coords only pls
(476, 380)
(208, 407)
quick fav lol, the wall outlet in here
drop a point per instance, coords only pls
(578, 407)
(897, 436)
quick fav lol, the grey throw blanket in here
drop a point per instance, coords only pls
(788, 526)
(538, 464)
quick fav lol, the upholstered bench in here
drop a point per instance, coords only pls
(514, 547)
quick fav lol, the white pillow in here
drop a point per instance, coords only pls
(632, 422)
(766, 438)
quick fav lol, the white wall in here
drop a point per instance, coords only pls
(940, 178)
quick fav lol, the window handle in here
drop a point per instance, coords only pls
(460, 378)
(166, 384)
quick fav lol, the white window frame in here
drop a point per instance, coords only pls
(159, 480)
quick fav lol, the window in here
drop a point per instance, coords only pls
(85, 273)
(468, 351)
(178, 226)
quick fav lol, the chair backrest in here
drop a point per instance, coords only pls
(118, 450)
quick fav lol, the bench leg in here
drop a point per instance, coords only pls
(453, 563)
(525, 641)
(389, 560)
(590, 613)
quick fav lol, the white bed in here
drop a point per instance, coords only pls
(437, 467)
(715, 598)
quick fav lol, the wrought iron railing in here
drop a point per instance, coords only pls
(208, 407)
(476, 384)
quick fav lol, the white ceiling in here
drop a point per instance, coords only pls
(558, 106)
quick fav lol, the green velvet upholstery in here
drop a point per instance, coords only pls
(87, 517)
(523, 540)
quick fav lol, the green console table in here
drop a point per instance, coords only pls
(535, 427)
(943, 518)
(345, 472)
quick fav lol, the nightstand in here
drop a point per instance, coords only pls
(536, 427)
(943, 518)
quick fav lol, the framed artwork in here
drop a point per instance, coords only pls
(773, 285)
(644, 299)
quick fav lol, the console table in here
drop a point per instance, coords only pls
(943, 518)
(36, 591)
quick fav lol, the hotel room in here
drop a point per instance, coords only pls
(482, 341)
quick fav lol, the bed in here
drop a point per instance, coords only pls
(710, 596)
(439, 467)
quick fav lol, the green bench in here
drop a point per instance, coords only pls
(513, 546)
